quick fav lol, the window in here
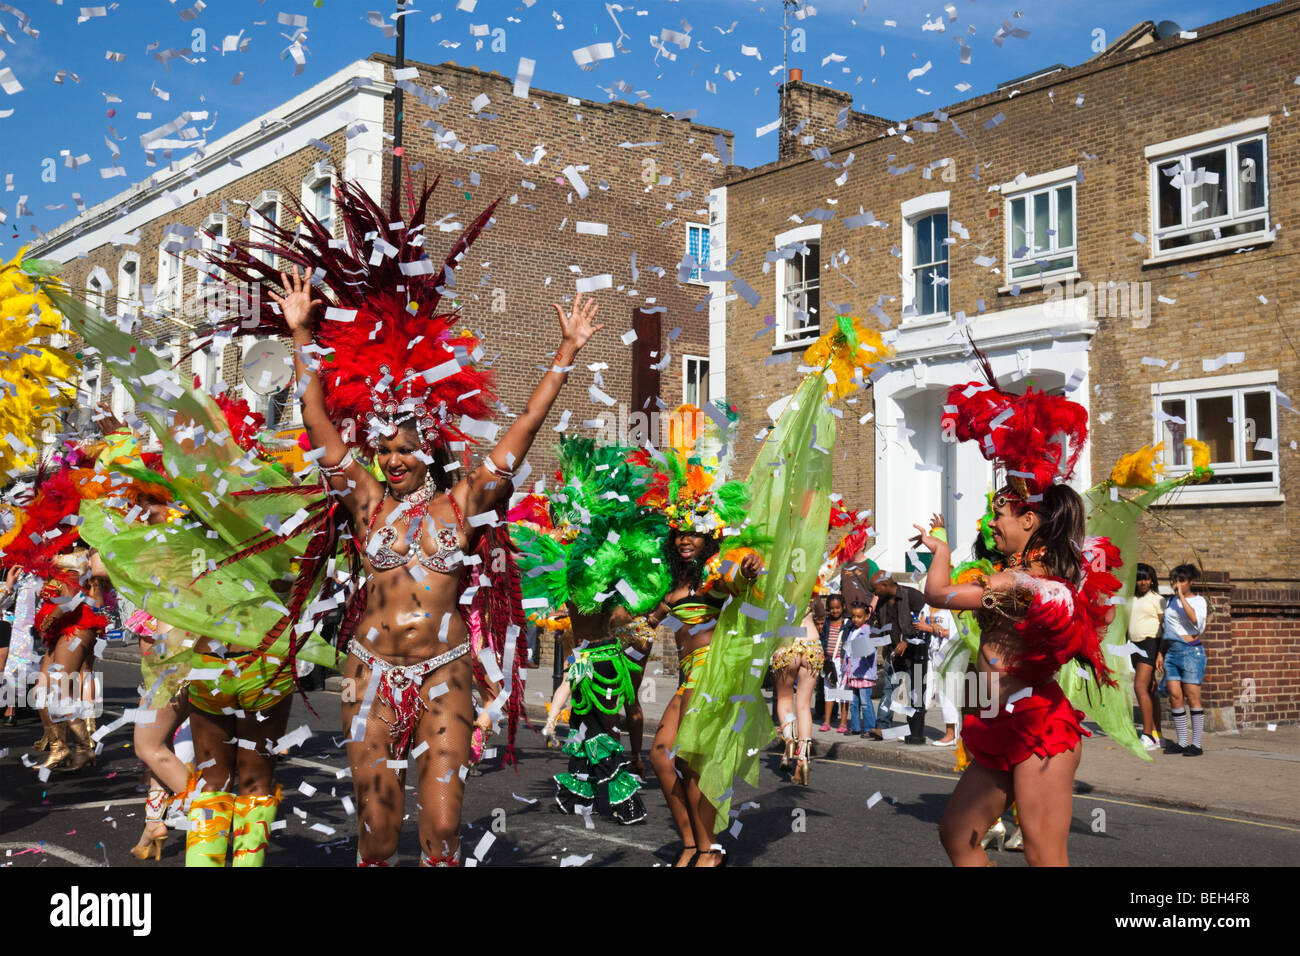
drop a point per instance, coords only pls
(167, 297)
(212, 239)
(128, 285)
(925, 256)
(266, 213)
(96, 293)
(930, 267)
(1041, 237)
(695, 380)
(697, 246)
(1235, 416)
(318, 194)
(1204, 192)
(797, 258)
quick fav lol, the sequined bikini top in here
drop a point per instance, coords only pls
(444, 560)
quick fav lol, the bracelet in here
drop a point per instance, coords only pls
(333, 471)
(496, 469)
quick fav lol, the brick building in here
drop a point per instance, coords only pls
(607, 194)
(1112, 230)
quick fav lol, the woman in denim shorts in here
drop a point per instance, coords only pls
(1184, 658)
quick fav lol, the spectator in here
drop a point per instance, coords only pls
(944, 687)
(855, 579)
(1145, 625)
(860, 670)
(832, 679)
(897, 609)
(1184, 658)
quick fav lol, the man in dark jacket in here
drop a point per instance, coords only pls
(897, 611)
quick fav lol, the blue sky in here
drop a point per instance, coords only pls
(49, 117)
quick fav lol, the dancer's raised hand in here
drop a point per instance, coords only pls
(297, 303)
(928, 538)
(576, 325)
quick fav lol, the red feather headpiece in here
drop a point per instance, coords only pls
(387, 355)
(1035, 438)
(44, 532)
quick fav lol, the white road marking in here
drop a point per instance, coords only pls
(596, 834)
(76, 859)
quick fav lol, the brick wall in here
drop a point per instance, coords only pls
(814, 111)
(644, 194)
(1237, 69)
(528, 254)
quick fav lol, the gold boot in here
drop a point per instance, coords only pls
(58, 746)
(83, 751)
(43, 743)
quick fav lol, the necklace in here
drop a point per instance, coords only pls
(1025, 558)
(415, 506)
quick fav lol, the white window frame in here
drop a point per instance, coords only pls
(1026, 189)
(1237, 385)
(1187, 150)
(913, 210)
(96, 291)
(128, 300)
(694, 278)
(206, 283)
(168, 290)
(321, 172)
(701, 378)
(793, 237)
(208, 364)
(257, 222)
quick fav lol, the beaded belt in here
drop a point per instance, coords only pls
(399, 688)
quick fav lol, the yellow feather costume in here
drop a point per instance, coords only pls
(36, 380)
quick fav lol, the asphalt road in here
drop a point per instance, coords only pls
(91, 818)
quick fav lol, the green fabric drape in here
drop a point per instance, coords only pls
(158, 567)
(727, 724)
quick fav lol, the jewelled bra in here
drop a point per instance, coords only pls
(444, 560)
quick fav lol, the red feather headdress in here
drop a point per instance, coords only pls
(44, 530)
(1035, 438)
(387, 354)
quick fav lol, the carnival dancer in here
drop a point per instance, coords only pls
(1049, 606)
(787, 497)
(406, 657)
(589, 550)
(796, 667)
(68, 617)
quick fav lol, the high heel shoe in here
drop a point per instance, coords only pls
(548, 733)
(151, 843)
(787, 758)
(1016, 841)
(43, 743)
(803, 753)
(683, 860)
(714, 850)
(996, 832)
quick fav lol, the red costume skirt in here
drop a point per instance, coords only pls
(1043, 724)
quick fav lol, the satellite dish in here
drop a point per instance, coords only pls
(268, 366)
(1167, 28)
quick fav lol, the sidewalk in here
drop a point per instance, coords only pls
(1252, 773)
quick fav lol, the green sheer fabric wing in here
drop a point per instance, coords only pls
(157, 567)
(727, 724)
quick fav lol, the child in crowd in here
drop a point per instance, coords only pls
(860, 670)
